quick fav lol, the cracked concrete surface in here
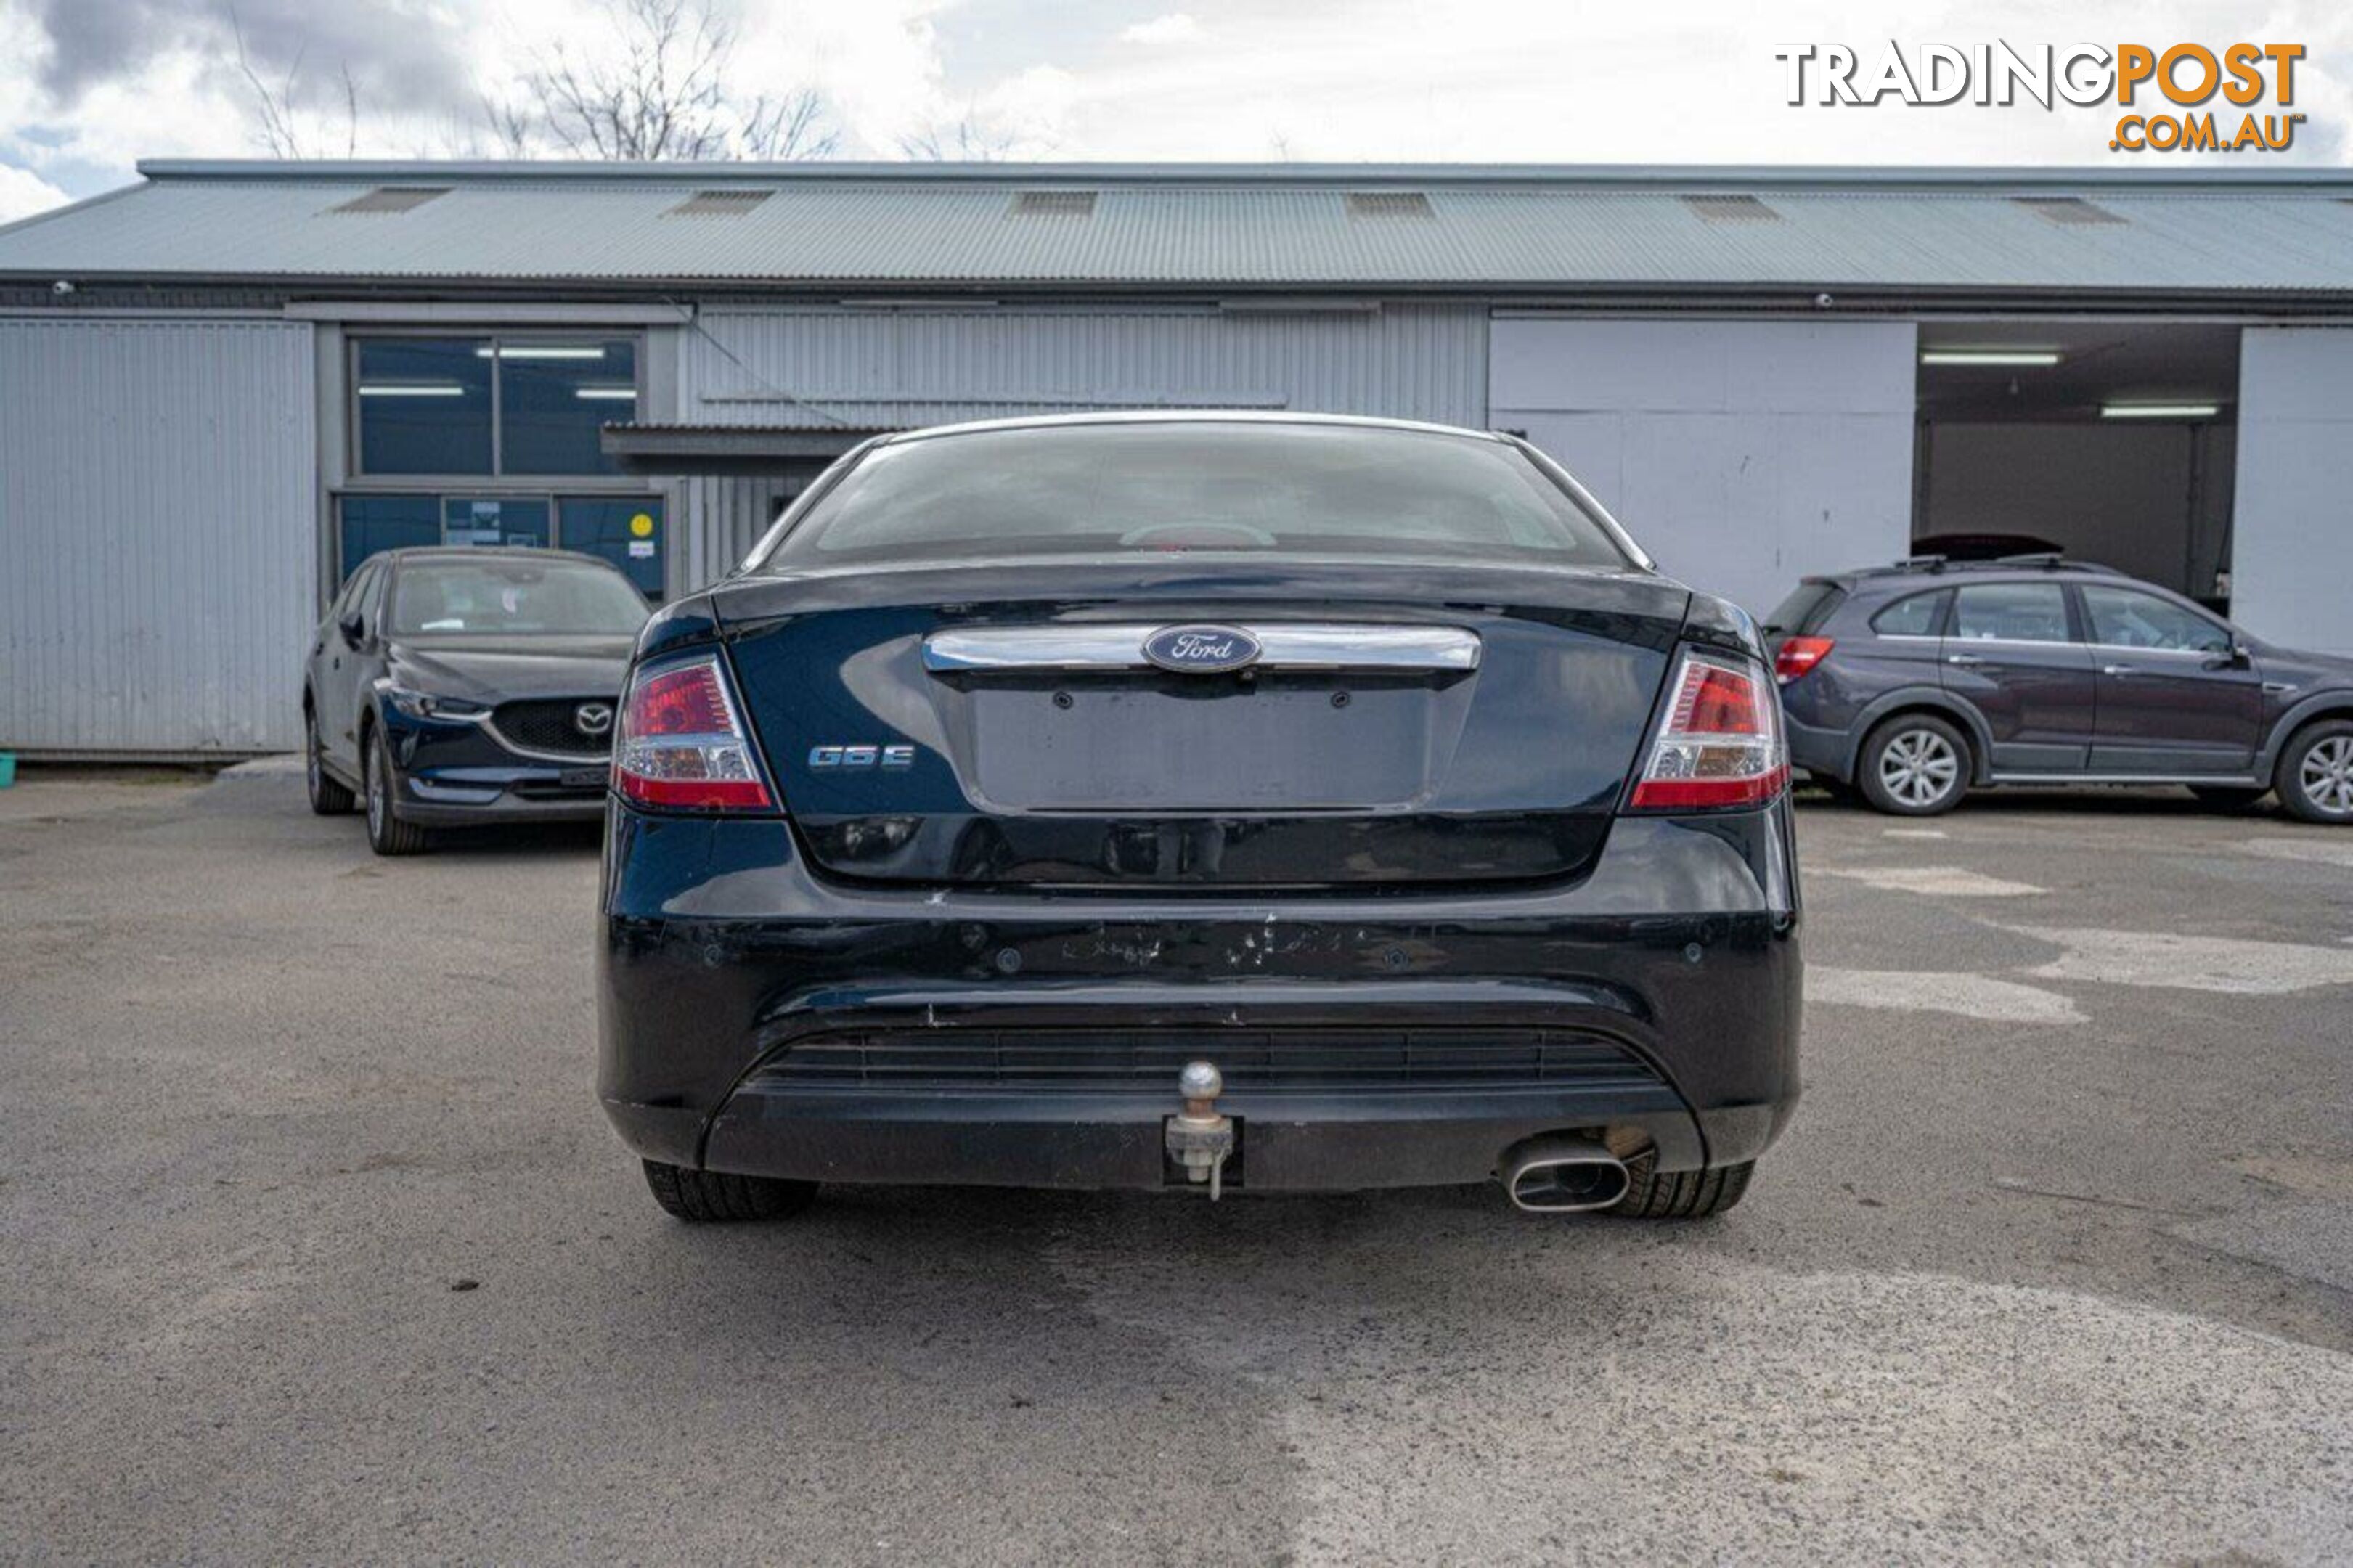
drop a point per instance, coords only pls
(2050, 1266)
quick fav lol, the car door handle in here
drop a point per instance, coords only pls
(1966, 659)
(2119, 670)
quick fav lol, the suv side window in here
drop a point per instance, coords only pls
(353, 600)
(2010, 612)
(1910, 618)
(346, 595)
(2126, 617)
(371, 601)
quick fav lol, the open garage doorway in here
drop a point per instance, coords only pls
(2110, 441)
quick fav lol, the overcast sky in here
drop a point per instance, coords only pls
(87, 86)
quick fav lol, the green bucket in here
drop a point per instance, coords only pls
(7, 769)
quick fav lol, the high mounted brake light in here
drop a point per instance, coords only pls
(1719, 742)
(682, 744)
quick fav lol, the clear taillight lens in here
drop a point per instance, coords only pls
(1799, 655)
(1720, 743)
(683, 744)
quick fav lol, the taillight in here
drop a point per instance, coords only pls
(1799, 655)
(1720, 740)
(682, 744)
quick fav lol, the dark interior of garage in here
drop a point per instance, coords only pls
(2112, 441)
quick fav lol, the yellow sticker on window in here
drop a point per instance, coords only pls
(642, 525)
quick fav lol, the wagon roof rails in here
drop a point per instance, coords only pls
(2053, 560)
(1922, 564)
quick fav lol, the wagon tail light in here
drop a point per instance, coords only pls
(683, 744)
(1799, 655)
(1719, 742)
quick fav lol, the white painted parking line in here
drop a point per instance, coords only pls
(2168, 960)
(1936, 991)
(1943, 881)
(1911, 833)
(2312, 849)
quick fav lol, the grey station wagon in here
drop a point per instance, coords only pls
(1912, 683)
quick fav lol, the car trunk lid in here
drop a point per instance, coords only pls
(1397, 726)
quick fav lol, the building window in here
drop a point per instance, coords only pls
(372, 523)
(552, 397)
(424, 406)
(491, 405)
(497, 520)
(623, 530)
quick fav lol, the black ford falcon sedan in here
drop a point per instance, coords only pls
(1219, 802)
(455, 686)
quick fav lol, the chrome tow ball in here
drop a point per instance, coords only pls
(1199, 1137)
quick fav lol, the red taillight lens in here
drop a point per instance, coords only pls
(1799, 655)
(681, 743)
(1720, 743)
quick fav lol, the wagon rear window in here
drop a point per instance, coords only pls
(1151, 488)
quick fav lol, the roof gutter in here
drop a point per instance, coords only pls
(453, 299)
(1668, 177)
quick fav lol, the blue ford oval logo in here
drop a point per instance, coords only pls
(1201, 651)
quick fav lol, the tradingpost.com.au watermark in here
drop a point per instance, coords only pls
(2230, 99)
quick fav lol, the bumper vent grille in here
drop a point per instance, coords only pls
(554, 727)
(1099, 1060)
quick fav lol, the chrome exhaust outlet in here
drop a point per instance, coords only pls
(1558, 1173)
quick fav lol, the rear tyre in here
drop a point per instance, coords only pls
(2314, 776)
(1652, 1194)
(2227, 797)
(1916, 764)
(708, 1196)
(387, 834)
(328, 798)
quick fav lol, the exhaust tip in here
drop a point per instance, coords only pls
(1562, 1175)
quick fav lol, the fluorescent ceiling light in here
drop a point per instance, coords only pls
(606, 393)
(2159, 410)
(411, 389)
(2041, 358)
(542, 351)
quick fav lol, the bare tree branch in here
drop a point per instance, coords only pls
(968, 141)
(277, 112)
(276, 126)
(662, 93)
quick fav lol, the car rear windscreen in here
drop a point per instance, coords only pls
(1151, 488)
(1808, 607)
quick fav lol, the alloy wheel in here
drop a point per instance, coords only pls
(1919, 767)
(2325, 775)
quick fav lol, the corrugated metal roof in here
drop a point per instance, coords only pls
(1241, 228)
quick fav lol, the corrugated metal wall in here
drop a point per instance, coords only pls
(158, 534)
(714, 523)
(1741, 454)
(822, 367)
(2291, 550)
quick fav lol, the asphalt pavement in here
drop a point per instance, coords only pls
(318, 1249)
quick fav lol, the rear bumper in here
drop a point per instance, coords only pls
(1821, 751)
(756, 1019)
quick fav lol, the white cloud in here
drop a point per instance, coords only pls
(1175, 28)
(23, 193)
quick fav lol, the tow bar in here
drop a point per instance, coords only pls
(1199, 1137)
